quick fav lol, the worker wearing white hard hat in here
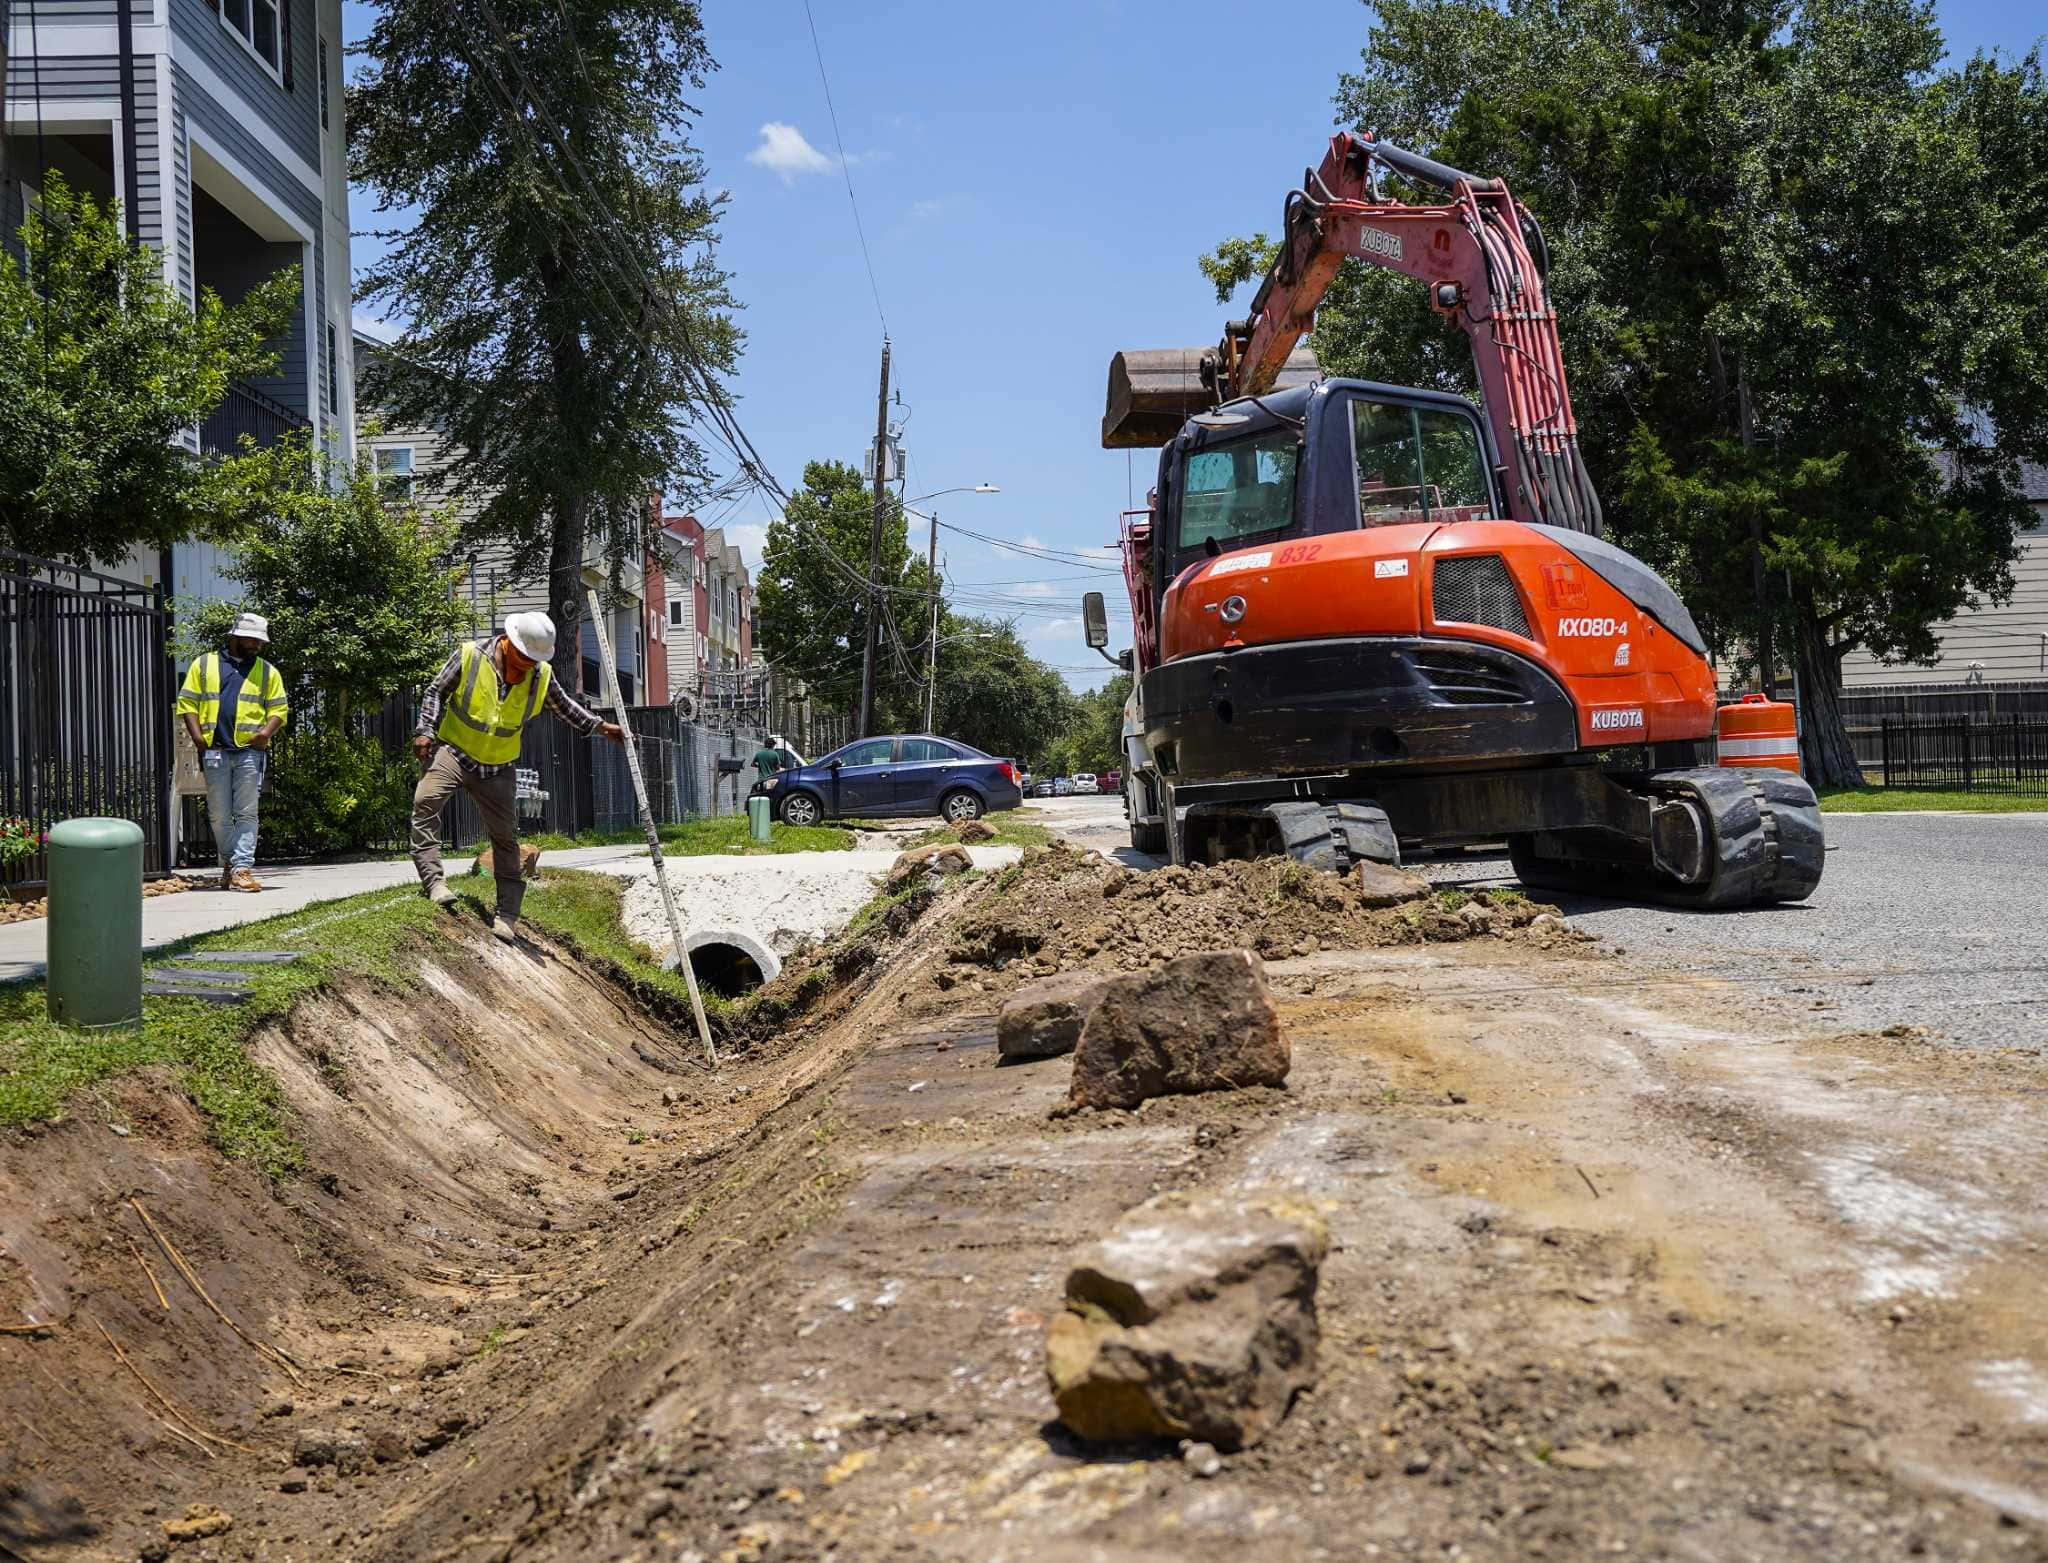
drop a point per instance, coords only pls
(472, 719)
(232, 704)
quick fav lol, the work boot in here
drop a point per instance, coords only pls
(504, 929)
(243, 879)
(439, 893)
(227, 877)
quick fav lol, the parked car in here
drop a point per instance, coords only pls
(1110, 781)
(1084, 786)
(1063, 787)
(1045, 787)
(908, 773)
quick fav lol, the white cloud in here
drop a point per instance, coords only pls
(1030, 540)
(1034, 589)
(784, 151)
(1060, 629)
(750, 538)
(373, 326)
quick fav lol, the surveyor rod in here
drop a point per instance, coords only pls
(668, 895)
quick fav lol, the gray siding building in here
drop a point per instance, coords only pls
(217, 124)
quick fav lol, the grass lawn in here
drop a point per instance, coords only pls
(701, 837)
(45, 1070)
(1023, 827)
(1891, 800)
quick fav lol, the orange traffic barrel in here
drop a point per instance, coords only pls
(1756, 731)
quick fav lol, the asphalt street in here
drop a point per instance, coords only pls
(1926, 920)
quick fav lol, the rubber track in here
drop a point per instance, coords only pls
(1767, 843)
(1365, 833)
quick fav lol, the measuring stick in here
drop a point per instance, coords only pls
(668, 895)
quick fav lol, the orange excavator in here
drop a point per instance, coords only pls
(1369, 617)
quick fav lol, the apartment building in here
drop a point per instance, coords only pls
(217, 124)
(710, 618)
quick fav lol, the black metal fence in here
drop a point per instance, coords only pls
(2007, 755)
(85, 703)
(247, 411)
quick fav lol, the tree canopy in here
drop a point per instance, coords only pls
(567, 315)
(1801, 270)
(102, 367)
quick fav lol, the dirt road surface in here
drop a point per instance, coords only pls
(1626, 1263)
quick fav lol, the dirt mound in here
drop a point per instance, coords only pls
(1061, 908)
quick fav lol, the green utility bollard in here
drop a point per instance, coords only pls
(757, 818)
(95, 927)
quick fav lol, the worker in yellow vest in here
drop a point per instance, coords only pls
(232, 705)
(467, 737)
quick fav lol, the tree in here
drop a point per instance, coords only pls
(359, 590)
(811, 610)
(1097, 733)
(1795, 262)
(102, 367)
(566, 309)
(994, 694)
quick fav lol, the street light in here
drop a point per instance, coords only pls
(931, 571)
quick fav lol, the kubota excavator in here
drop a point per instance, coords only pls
(1368, 616)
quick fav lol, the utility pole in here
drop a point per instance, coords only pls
(931, 656)
(867, 655)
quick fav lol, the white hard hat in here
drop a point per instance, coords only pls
(251, 626)
(533, 634)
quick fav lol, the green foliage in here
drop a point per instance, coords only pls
(567, 311)
(1793, 257)
(359, 594)
(993, 693)
(333, 791)
(701, 837)
(814, 621)
(102, 366)
(19, 838)
(1894, 800)
(1098, 732)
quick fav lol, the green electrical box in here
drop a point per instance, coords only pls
(95, 923)
(757, 818)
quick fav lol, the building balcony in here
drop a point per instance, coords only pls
(247, 411)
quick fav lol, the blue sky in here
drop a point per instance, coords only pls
(1036, 183)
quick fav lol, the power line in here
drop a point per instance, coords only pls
(846, 172)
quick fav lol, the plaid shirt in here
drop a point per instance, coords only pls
(561, 704)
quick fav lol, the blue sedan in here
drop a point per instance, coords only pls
(912, 773)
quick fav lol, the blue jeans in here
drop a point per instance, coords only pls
(234, 781)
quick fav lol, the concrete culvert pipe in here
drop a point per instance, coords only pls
(729, 961)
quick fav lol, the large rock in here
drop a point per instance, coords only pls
(970, 831)
(1043, 1019)
(1381, 885)
(1200, 1023)
(1194, 1318)
(931, 864)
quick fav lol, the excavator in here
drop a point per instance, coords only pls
(1370, 619)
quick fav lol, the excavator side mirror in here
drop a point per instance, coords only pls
(1095, 621)
(1128, 660)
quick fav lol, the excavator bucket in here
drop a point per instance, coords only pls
(1153, 391)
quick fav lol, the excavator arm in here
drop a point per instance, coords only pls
(1482, 258)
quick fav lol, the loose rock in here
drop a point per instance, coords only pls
(335, 1446)
(1381, 885)
(1043, 1019)
(931, 863)
(973, 830)
(1200, 1023)
(1194, 1318)
(201, 1520)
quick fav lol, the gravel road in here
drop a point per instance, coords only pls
(1922, 919)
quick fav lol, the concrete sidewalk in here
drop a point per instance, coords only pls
(168, 918)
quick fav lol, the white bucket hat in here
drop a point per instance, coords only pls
(253, 626)
(533, 634)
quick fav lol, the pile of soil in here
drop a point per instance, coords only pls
(1062, 909)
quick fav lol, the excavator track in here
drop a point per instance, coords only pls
(1327, 836)
(1759, 841)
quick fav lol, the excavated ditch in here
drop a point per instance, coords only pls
(1618, 1271)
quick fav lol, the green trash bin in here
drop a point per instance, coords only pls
(757, 818)
(95, 924)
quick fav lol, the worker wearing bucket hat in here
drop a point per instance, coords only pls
(471, 721)
(232, 705)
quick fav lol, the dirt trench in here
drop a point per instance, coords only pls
(1622, 1268)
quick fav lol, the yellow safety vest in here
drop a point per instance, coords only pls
(262, 697)
(476, 721)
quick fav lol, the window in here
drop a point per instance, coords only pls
(1240, 490)
(394, 470)
(323, 83)
(922, 751)
(869, 751)
(675, 612)
(256, 23)
(1414, 462)
(333, 373)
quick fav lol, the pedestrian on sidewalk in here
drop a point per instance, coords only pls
(232, 705)
(468, 736)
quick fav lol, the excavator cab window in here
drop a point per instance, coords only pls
(1417, 464)
(1237, 492)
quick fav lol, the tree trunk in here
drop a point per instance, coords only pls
(565, 588)
(1825, 752)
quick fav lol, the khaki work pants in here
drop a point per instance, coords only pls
(496, 796)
